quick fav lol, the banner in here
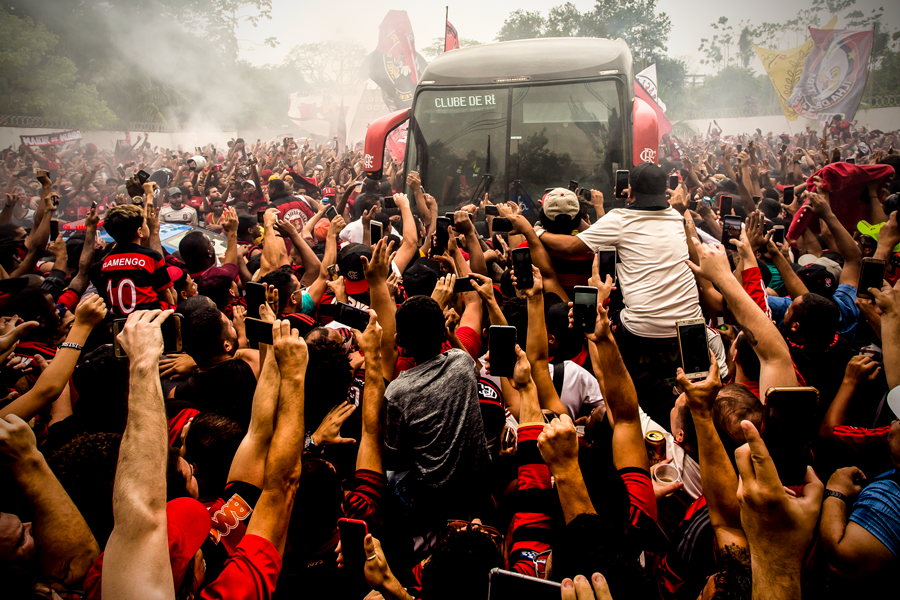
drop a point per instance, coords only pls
(834, 74)
(323, 112)
(784, 69)
(51, 139)
(665, 125)
(451, 38)
(647, 79)
(395, 65)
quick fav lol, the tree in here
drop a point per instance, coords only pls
(520, 25)
(323, 63)
(436, 47)
(35, 81)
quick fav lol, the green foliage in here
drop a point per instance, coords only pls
(34, 80)
(436, 47)
(522, 25)
(326, 63)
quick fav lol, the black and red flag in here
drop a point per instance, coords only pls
(395, 65)
(451, 38)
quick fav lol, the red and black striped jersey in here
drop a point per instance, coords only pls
(132, 276)
(295, 210)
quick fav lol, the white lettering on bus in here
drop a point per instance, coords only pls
(465, 101)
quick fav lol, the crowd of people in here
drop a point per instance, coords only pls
(313, 412)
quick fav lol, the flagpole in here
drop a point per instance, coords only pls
(446, 18)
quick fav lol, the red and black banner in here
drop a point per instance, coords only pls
(451, 38)
(395, 65)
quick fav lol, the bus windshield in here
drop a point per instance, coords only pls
(556, 133)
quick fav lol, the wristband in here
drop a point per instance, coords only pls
(78, 347)
(838, 495)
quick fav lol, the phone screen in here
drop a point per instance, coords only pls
(778, 236)
(501, 224)
(740, 148)
(54, 229)
(330, 213)
(673, 182)
(573, 185)
(258, 331)
(463, 284)
(851, 160)
(870, 276)
(621, 183)
(255, 295)
(731, 229)
(389, 202)
(788, 427)
(584, 308)
(694, 349)
(260, 216)
(521, 259)
(788, 195)
(607, 261)
(143, 176)
(353, 544)
(491, 210)
(441, 235)
(502, 345)
(376, 231)
(725, 205)
(353, 317)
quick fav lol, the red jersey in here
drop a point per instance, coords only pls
(134, 275)
(250, 573)
(295, 210)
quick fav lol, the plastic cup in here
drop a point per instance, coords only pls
(666, 474)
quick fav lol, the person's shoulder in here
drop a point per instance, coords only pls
(888, 483)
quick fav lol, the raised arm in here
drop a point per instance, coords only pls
(408, 248)
(376, 272)
(848, 249)
(273, 511)
(370, 342)
(136, 560)
(81, 279)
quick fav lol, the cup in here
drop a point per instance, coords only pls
(666, 474)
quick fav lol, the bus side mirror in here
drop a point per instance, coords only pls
(376, 136)
(646, 133)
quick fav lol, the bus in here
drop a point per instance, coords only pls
(513, 119)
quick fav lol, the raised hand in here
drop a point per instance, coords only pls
(443, 290)
(91, 311)
(378, 269)
(701, 395)
(558, 444)
(291, 352)
(329, 430)
(142, 336)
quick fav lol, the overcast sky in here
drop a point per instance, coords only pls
(357, 20)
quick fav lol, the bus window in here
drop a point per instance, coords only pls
(566, 132)
(449, 143)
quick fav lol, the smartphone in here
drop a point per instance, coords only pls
(501, 224)
(851, 160)
(376, 231)
(352, 317)
(693, 347)
(331, 213)
(756, 199)
(692, 205)
(783, 148)
(260, 217)
(143, 176)
(491, 210)
(871, 275)
(673, 182)
(585, 194)
(353, 544)
(740, 148)
(441, 235)
(389, 202)
(731, 229)
(502, 345)
(778, 236)
(451, 216)
(507, 585)
(725, 205)
(333, 273)
(255, 295)
(521, 260)
(788, 195)
(584, 308)
(621, 183)
(573, 185)
(258, 331)
(607, 255)
(54, 229)
(463, 284)
(171, 332)
(789, 425)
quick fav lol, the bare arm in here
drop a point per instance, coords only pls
(376, 272)
(370, 450)
(537, 346)
(408, 247)
(81, 280)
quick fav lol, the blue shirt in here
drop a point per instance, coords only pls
(877, 510)
(844, 297)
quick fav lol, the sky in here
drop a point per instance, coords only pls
(357, 20)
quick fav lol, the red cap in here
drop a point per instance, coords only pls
(329, 192)
(264, 176)
(187, 522)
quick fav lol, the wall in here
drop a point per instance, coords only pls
(9, 136)
(885, 119)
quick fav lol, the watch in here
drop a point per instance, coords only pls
(838, 495)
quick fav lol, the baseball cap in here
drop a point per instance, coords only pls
(248, 182)
(419, 279)
(329, 192)
(265, 174)
(561, 202)
(351, 266)
(811, 259)
(321, 229)
(818, 280)
(174, 191)
(187, 522)
(648, 184)
(727, 185)
(893, 400)
(177, 276)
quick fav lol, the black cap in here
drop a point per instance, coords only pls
(818, 280)
(351, 266)
(728, 185)
(419, 279)
(648, 184)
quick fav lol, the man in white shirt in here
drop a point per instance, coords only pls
(177, 211)
(353, 232)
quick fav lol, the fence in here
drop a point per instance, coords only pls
(692, 113)
(50, 123)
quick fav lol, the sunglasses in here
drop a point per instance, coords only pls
(494, 534)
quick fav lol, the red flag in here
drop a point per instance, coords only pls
(451, 38)
(665, 125)
(396, 40)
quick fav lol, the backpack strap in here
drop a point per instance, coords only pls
(559, 375)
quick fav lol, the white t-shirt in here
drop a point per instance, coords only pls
(687, 466)
(657, 286)
(185, 216)
(579, 388)
(353, 232)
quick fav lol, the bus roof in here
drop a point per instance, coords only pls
(544, 59)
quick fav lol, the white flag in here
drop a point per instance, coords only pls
(647, 79)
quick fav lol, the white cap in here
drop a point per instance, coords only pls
(830, 265)
(893, 401)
